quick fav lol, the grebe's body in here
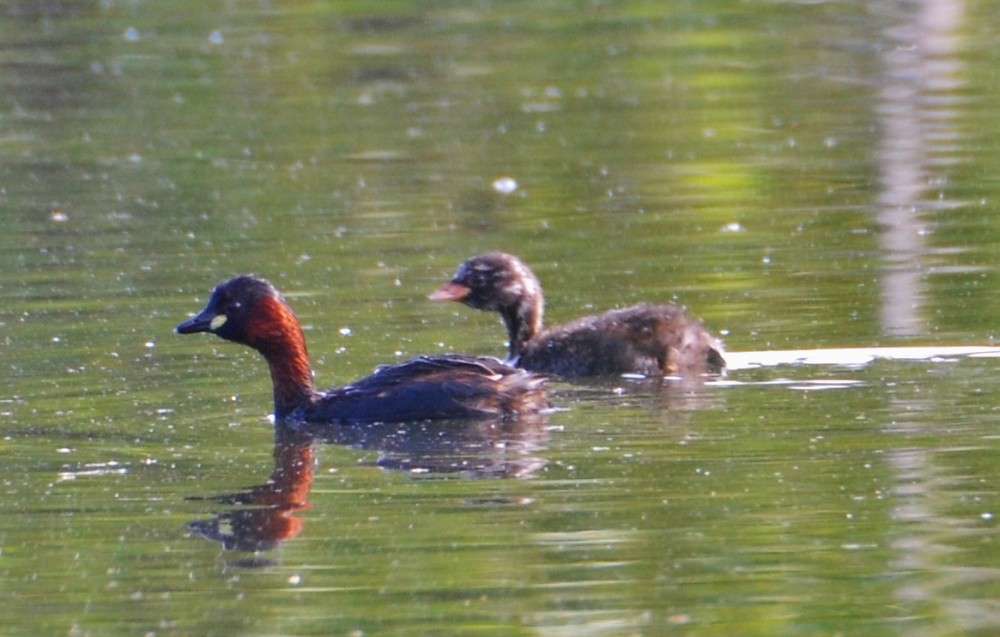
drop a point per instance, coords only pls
(250, 311)
(652, 340)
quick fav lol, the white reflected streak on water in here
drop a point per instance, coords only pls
(919, 68)
(853, 356)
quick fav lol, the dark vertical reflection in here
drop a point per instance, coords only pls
(919, 71)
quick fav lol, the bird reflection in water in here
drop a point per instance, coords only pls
(268, 514)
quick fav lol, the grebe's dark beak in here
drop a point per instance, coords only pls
(206, 321)
(451, 292)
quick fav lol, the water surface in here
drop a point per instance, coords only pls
(803, 176)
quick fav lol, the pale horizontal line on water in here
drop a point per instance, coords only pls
(852, 356)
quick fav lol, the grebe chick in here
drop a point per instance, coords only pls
(652, 340)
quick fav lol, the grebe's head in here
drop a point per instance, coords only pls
(494, 281)
(236, 310)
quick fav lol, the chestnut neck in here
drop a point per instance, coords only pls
(276, 333)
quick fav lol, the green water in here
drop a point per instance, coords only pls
(799, 174)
